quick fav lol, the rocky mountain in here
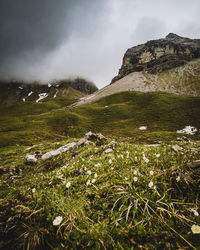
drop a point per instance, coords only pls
(171, 64)
(17, 91)
(159, 55)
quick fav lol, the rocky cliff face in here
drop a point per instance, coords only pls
(159, 55)
(16, 91)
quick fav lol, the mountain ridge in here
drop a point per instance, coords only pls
(156, 56)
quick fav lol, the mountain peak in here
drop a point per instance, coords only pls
(156, 56)
(173, 36)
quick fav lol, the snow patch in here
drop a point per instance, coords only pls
(20, 87)
(49, 85)
(189, 130)
(42, 96)
(143, 128)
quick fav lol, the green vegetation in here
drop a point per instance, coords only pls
(134, 197)
(119, 115)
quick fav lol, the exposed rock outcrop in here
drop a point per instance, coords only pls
(159, 55)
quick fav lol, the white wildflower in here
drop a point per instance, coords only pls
(97, 165)
(178, 178)
(110, 161)
(126, 178)
(157, 155)
(89, 172)
(68, 184)
(195, 229)
(88, 183)
(145, 159)
(135, 172)
(135, 179)
(93, 180)
(151, 172)
(195, 212)
(33, 190)
(57, 220)
(95, 175)
(150, 184)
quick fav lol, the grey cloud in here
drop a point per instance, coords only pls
(47, 39)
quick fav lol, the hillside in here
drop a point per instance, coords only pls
(19, 91)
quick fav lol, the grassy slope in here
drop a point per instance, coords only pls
(113, 212)
(25, 123)
(119, 115)
(123, 113)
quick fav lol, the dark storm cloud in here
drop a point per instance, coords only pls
(48, 39)
(26, 25)
(32, 28)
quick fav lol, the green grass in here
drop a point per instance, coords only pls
(113, 212)
(122, 114)
(119, 115)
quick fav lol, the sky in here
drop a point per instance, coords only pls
(45, 40)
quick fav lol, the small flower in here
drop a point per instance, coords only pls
(150, 184)
(195, 212)
(135, 172)
(178, 178)
(57, 220)
(110, 161)
(95, 175)
(89, 172)
(151, 172)
(126, 178)
(88, 183)
(157, 155)
(68, 184)
(97, 165)
(195, 229)
(122, 156)
(145, 159)
(93, 180)
(33, 190)
(135, 178)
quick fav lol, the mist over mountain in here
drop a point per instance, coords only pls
(45, 40)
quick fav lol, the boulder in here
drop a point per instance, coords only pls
(30, 159)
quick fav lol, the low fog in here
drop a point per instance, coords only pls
(48, 39)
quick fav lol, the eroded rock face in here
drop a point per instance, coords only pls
(159, 55)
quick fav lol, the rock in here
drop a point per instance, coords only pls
(30, 159)
(159, 55)
(82, 141)
(94, 137)
(176, 148)
(107, 151)
(58, 151)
